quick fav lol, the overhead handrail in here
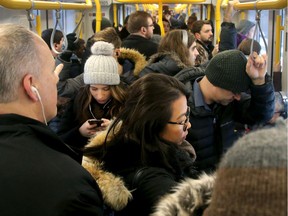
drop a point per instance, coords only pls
(58, 16)
(157, 1)
(45, 5)
(261, 5)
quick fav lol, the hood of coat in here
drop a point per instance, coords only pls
(114, 192)
(171, 55)
(190, 197)
(134, 56)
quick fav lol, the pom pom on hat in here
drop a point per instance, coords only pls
(227, 70)
(101, 67)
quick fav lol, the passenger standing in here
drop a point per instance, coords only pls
(39, 174)
(101, 98)
(216, 103)
(202, 30)
(177, 50)
(140, 26)
(146, 143)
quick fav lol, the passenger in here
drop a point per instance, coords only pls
(101, 98)
(174, 23)
(216, 103)
(177, 50)
(203, 33)
(58, 40)
(190, 21)
(251, 180)
(257, 163)
(166, 25)
(245, 29)
(245, 46)
(123, 34)
(140, 26)
(146, 143)
(39, 175)
(105, 23)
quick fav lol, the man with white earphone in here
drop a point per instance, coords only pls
(39, 173)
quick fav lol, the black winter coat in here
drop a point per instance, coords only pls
(143, 45)
(212, 132)
(39, 175)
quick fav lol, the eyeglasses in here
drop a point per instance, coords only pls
(184, 123)
(152, 25)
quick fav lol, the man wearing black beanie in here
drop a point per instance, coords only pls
(218, 100)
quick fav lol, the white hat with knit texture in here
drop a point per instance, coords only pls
(101, 67)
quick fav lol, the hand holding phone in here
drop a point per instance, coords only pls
(96, 122)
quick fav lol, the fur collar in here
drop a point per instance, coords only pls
(114, 191)
(189, 198)
(134, 56)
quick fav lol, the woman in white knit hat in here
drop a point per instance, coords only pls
(97, 102)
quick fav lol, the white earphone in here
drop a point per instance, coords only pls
(35, 90)
(185, 37)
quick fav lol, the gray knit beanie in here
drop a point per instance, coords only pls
(101, 67)
(252, 176)
(227, 70)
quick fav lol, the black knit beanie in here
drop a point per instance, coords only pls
(227, 70)
(252, 176)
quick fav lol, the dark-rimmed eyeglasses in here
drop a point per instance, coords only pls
(185, 122)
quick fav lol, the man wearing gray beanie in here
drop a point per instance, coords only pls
(219, 99)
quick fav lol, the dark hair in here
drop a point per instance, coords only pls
(109, 35)
(197, 25)
(245, 46)
(105, 23)
(46, 35)
(145, 114)
(137, 20)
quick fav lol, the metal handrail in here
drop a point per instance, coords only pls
(45, 5)
(157, 1)
(261, 5)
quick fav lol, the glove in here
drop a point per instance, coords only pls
(71, 38)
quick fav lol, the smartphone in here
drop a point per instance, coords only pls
(98, 122)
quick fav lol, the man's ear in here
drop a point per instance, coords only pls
(27, 85)
(197, 36)
(117, 52)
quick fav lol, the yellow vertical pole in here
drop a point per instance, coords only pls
(218, 20)
(160, 16)
(98, 15)
(278, 37)
(137, 7)
(189, 9)
(209, 11)
(243, 15)
(115, 15)
(38, 25)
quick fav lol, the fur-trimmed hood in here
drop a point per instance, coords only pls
(113, 189)
(189, 198)
(135, 57)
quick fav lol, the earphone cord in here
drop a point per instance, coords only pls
(43, 112)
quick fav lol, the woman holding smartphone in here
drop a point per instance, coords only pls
(97, 102)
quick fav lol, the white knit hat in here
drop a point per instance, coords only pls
(101, 67)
